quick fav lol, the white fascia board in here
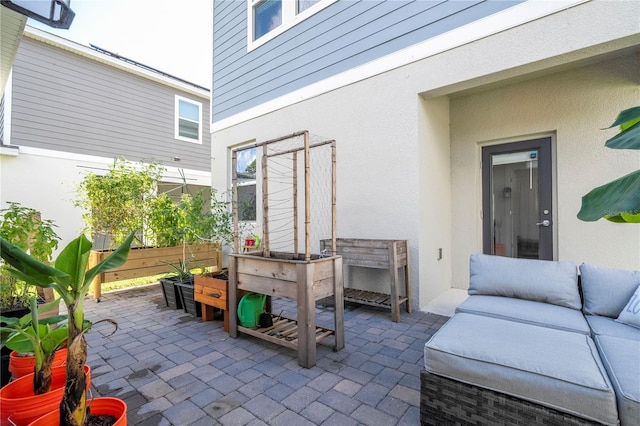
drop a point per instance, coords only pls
(102, 163)
(492, 24)
(88, 52)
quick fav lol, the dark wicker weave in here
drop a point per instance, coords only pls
(448, 402)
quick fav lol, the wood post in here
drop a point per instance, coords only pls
(234, 201)
(307, 199)
(265, 204)
(338, 313)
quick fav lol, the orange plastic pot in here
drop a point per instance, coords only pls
(19, 404)
(110, 406)
(22, 365)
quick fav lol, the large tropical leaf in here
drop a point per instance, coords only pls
(629, 136)
(73, 261)
(29, 269)
(618, 201)
(627, 118)
(114, 260)
(626, 139)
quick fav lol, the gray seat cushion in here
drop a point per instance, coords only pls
(605, 326)
(621, 358)
(527, 311)
(554, 368)
(606, 291)
(538, 280)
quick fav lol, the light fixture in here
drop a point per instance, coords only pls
(55, 13)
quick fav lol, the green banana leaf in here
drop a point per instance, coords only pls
(617, 201)
(626, 139)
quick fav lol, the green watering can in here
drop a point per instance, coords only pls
(249, 309)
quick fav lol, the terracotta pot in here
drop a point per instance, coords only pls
(22, 365)
(19, 404)
(110, 406)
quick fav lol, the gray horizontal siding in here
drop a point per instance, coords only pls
(65, 102)
(342, 36)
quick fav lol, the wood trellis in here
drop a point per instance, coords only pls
(306, 150)
(302, 277)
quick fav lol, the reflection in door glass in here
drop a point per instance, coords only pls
(514, 204)
(246, 191)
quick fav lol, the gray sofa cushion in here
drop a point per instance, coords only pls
(537, 280)
(605, 326)
(606, 291)
(527, 311)
(621, 358)
(554, 368)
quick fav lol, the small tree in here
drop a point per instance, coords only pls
(117, 203)
(26, 229)
(619, 200)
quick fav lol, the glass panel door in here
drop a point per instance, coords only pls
(517, 218)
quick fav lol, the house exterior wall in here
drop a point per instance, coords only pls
(64, 101)
(572, 107)
(408, 162)
(342, 36)
(69, 110)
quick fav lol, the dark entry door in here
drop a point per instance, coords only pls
(516, 199)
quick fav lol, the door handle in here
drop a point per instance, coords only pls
(545, 222)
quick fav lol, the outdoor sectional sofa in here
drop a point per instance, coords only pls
(527, 347)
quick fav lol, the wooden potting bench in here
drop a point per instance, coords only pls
(379, 254)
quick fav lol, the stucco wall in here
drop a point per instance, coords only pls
(44, 184)
(403, 172)
(47, 181)
(377, 160)
(572, 106)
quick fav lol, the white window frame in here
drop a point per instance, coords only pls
(177, 119)
(289, 19)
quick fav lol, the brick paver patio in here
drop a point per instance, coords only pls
(174, 369)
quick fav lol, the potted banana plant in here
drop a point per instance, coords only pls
(35, 343)
(71, 279)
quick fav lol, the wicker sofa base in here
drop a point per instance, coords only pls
(448, 402)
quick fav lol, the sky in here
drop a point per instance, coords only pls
(172, 36)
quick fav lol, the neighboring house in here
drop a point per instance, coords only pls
(461, 126)
(11, 27)
(69, 109)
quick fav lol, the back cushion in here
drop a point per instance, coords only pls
(537, 280)
(606, 291)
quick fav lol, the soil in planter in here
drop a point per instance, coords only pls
(101, 420)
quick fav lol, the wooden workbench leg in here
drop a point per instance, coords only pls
(338, 295)
(232, 297)
(407, 281)
(97, 287)
(306, 316)
(393, 272)
(207, 312)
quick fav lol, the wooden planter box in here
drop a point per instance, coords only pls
(147, 261)
(302, 281)
(379, 254)
(212, 292)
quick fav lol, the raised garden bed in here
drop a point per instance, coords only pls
(305, 282)
(147, 261)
